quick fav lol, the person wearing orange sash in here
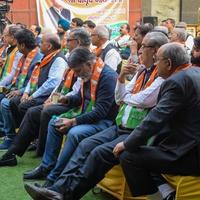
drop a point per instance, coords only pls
(31, 56)
(175, 124)
(93, 109)
(13, 56)
(35, 122)
(105, 49)
(140, 93)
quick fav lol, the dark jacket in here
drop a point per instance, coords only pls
(178, 109)
(105, 107)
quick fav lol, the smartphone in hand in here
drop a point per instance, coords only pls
(58, 122)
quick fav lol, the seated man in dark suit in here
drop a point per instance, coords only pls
(178, 109)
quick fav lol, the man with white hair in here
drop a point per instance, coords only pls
(179, 35)
(189, 38)
(105, 50)
(177, 116)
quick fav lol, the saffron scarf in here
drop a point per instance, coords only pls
(36, 72)
(9, 63)
(69, 75)
(98, 67)
(23, 66)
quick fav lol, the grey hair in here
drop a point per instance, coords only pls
(13, 29)
(82, 35)
(176, 53)
(156, 39)
(80, 56)
(102, 31)
(181, 34)
(161, 29)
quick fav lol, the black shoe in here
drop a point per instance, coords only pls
(38, 193)
(37, 173)
(2, 134)
(46, 184)
(32, 146)
(171, 196)
(8, 160)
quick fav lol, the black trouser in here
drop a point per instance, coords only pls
(30, 127)
(19, 109)
(89, 163)
(45, 117)
(139, 166)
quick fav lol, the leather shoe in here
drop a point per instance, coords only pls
(37, 173)
(46, 184)
(171, 196)
(38, 193)
(8, 160)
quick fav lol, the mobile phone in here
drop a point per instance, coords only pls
(58, 122)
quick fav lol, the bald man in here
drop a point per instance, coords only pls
(45, 77)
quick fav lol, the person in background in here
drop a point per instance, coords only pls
(36, 31)
(76, 23)
(163, 22)
(195, 54)
(63, 27)
(104, 49)
(170, 24)
(122, 41)
(189, 38)
(179, 35)
(89, 25)
(162, 29)
(139, 33)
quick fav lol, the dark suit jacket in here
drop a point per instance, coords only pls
(178, 108)
(65, 14)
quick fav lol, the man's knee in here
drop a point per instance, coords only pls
(5, 103)
(46, 112)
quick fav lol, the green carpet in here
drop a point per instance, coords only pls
(12, 184)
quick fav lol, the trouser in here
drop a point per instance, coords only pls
(7, 116)
(139, 166)
(90, 162)
(19, 109)
(74, 136)
(2, 95)
(30, 126)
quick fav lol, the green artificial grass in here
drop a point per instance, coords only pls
(12, 184)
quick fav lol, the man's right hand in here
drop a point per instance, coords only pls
(24, 97)
(13, 94)
(63, 99)
(48, 102)
(128, 69)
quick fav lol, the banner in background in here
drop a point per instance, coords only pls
(112, 13)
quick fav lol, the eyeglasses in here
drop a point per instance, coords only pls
(69, 40)
(146, 46)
